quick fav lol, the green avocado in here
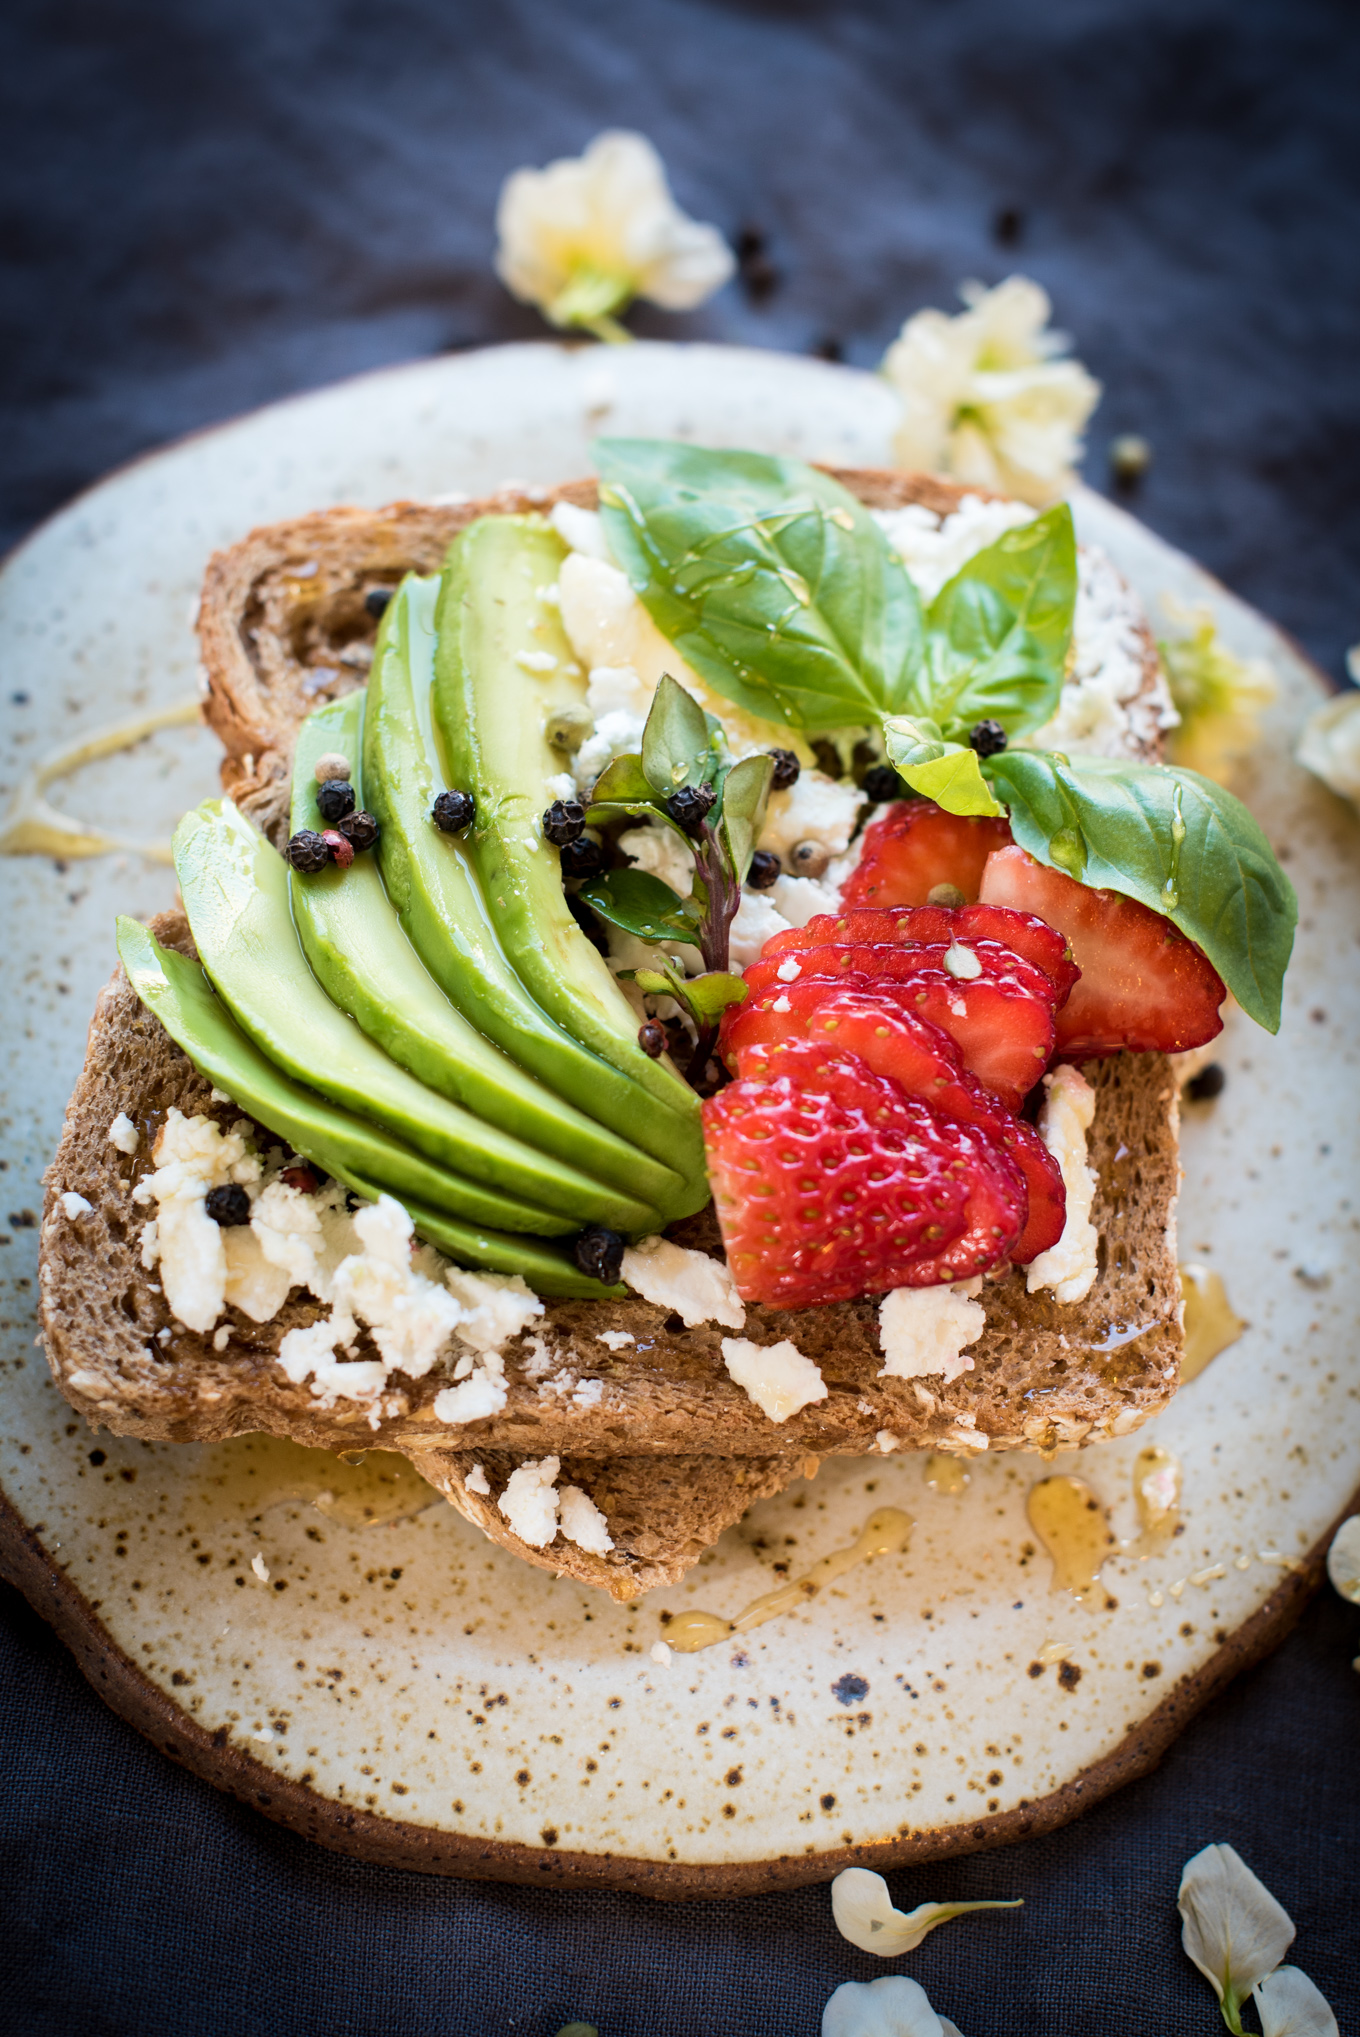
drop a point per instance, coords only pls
(363, 960)
(365, 1159)
(235, 890)
(503, 665)
(431, 881)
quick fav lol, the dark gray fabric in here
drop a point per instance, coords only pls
(206, 205)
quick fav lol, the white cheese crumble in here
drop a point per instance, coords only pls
(782, 1003)
(801, 898)
(260, 1567)
(699, 1289)
(778, 1378)
(582, 529)
(76, 1206)
(815, 808)
(477, 1480)
(616, 1339)
(123, 1134)
(530, 1501)
(1069, 1267)
(661, 1654)
(661, 853)
(887, 1442)
(932, 550)
(1102, 710)
(924, 1331)
(192, 1156)
(560, 786)
(582, 1522)
(789, 970)
(536, 661)
(758, 919)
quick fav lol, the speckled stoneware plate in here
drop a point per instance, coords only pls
(407, 1692)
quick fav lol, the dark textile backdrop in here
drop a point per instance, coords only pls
(213, 203)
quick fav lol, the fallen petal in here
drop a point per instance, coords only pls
(864, 1913)
(1232, 1926)
(1290, 2006)
(893, 2007)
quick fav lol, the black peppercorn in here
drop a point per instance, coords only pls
(360, 829)
(453, 811)
(582, 858)
(564, 822)
(881, 784)
(599, 1253)
(988, 738)
(1209, 1083)
(689, 807)
(228, 1206)
(763, 871)
(377, 598)
(786, 770)
(308, 851)
(652, 1038)
(334, 800)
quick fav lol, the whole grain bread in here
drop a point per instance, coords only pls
(671, 1449)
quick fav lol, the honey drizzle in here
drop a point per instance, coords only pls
(251, 1475)
(33, 827)
(1070, 1522)
(1211, 1324)
(885, 1533)
(944, 1473)
(1157, 1492)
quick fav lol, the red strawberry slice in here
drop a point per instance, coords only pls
(915, 846)
(829, 1182)
(1144, 987)
(1001, 1021)
(881, 1029)
(937, 925)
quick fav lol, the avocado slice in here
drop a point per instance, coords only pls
(235, 890)
(365, 1159)
(431, 881)
(354, 941)
(490, 705)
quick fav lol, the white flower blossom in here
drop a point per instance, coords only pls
(1290, 2006)
(1220, 697)
(1232, 1927)
(984, 397)
(1343, 1559)
(864, 1913)
(1330, 745)
(894, 2007)
(586, 235)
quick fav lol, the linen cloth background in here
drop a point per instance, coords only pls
(207, 204)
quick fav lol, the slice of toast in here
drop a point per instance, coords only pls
(285, 623)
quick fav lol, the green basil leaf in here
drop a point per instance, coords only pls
(641, 904)
(997, 634)
(954, 781)
(705, 996)
(676, 747)
(745, 790)
(622, 780)
(770, 578)
(1173, 840)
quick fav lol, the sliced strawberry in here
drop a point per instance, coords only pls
(887, 1036)
(1001, 1021)
(937, 925)
(1144, 987)
(830, 1182)
(916, 846)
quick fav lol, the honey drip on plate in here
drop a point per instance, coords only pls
(35, 828)
(253, 1474)
(1210, 1323)
(886, 1533)
(1070, 1522)
(1157, 1491)
(946, 1474)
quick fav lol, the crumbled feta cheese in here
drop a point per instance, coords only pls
(582, 529)
(698, 1288)
(222, 1337)
(259, 1566)
(1069, 1267)
(304, 1236)
(616, 1339)
(536, 661)
(661, 853)
(588, 1394)
(496, 1306)
(582, 1522)
(934, 549)
(758, 919)
(887, 1442)
(1103, 710)
(481, 1394)
(815, 808)
(410, 1319)
(560, 786)
(661, 1654)
(961, 962)
(925, 1330)
(256, 1285)
(782, 1003)
(76, 1205)
(123, 1134)
(789, 970)
(616, 735)
(192, 1156)
(616, 689)
(779, 1379)
(801, 898)
(530, 1501)
(477, 1480)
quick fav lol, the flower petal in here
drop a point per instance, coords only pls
(1330, 744)
(1343, 1559)
(864, 1913)
(1232, 1926)
(893, 2007)
(1290, 2006)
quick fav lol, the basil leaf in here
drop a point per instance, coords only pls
(745, 790)
(769, 577)
(705, 996)
(623, 781)
(998, 632)
(641, 904)
(676, 747)
(1174, 841)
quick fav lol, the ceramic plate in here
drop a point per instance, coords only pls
(398, 1687)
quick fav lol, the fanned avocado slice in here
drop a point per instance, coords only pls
(354, 941)
(431, 881)
(235, 890)
(365, 1159)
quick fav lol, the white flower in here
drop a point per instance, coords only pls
(1232, 1927)
(864, 1913)
(1343, 1559)
(1219, 697)
(894, 2007)
(1290, 2006)
(985, 399)
(585, 236)
(1330, 744)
